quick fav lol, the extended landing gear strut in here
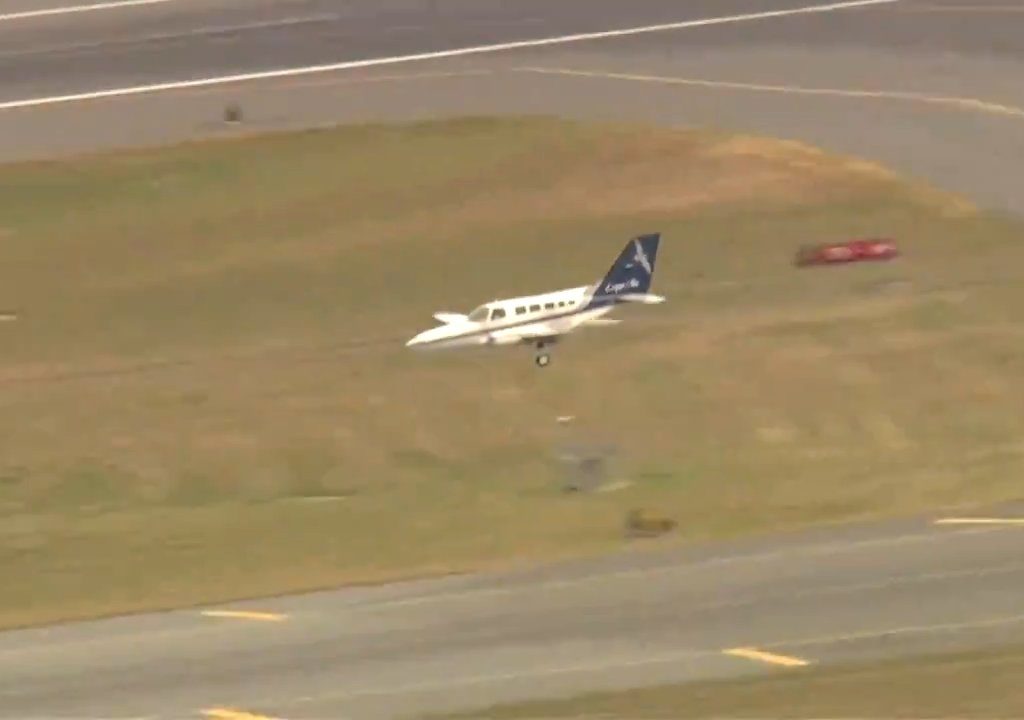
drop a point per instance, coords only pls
(543, 358)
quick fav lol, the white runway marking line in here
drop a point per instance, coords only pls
(965, 8)
(960, 103)
(979, 521)
(766, 657)
(435, 55)
(72, 9)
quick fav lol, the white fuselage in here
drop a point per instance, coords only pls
(515, 320)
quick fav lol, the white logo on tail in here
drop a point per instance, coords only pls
(616, 288)
(641, 257)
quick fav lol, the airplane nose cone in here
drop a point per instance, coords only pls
(418, 339)
(432, 338)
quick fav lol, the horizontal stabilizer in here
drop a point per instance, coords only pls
(449, 317)
(643, 298)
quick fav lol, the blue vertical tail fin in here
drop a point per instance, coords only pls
(631, 273)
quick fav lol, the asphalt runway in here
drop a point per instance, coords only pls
(451, 644)
(931, 89)
(932, 93)
(180, 39)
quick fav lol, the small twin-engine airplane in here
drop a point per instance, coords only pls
(540, 320)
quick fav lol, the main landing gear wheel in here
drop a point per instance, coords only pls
(543, 358)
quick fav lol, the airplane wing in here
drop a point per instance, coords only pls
(543, 331)
(526, 333)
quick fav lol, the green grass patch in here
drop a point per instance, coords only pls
(961, 685)
(206, 393)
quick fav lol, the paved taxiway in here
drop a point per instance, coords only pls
(194, 38)
(876, 591)
(934, 94)
(870, 591)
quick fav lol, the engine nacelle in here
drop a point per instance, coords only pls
(494, 339)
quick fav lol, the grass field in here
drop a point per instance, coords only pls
(962, 685)
(207, 338)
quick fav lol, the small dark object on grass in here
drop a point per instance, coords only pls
(637, 525)
(233, 113)
(587, 465)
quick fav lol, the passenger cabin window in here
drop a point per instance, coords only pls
(549, 306)
(520, 310)
(497, 313)
(535, 308)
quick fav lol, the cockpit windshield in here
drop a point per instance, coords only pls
(478, 315)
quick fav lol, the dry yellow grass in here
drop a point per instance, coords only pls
(207, 334)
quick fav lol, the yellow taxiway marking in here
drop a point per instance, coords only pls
(772, 658)
(959, 103)
(246, 615)
(979, 521)
(232, 714)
